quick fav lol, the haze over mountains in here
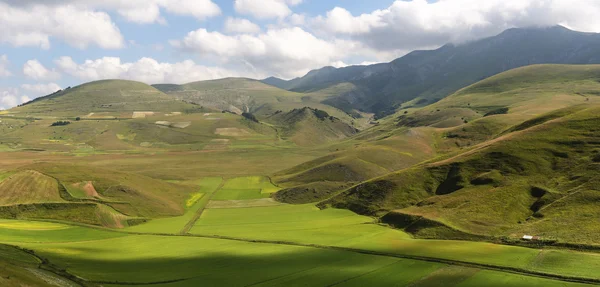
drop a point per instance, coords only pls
(424, 77)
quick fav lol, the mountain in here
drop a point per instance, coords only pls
(424, 77)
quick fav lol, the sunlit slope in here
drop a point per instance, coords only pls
(118, 97)
(539, 178)
(475, 114)
(521, 93)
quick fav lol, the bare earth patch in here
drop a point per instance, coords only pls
(181, 125)
(141, 115)
(90, 190)
(231, 132)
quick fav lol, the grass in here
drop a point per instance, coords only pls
(193, 260)
(308, 225)
(29, 186)
(176, 224)
(20, 232)
(243, 188)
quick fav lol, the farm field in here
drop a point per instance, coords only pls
(111, 258)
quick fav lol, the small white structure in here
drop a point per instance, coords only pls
(530, 238)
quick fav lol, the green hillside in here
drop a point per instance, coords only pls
(116, 98)
(519, 159)
(240, 95)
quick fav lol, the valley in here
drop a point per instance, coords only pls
(238, 182)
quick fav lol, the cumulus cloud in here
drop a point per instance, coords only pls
(284, 52)
(35, 25)
(242, 26)
(40, 89)
(138, 11)
(82, 23)
(11, 97)
(421, 24)
(33, 69)
(265, 9)
(145, 70)
(4, 72)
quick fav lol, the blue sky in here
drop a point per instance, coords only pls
(51, 44)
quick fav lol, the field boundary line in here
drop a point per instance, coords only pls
(484, 266)
(186, 229)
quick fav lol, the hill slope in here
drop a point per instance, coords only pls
(433, 75)
(241, 95)
(522, 160)
(308, 127)
(116, 97)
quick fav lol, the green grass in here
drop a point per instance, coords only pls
(306, 224)
(20, 232)
(242, 188)
(209, 261)
(174, 225)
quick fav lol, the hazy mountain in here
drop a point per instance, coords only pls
(432, 75)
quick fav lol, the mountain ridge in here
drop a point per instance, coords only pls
(426, 76)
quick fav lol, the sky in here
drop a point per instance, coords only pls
(46, 45)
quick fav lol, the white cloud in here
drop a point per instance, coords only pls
(41, 89)
(145, 70)
(238, 25)
(265, 9)
(138, 11)
(4, 72)
(420, 24)
(11, 97)
(33, 69)
(282, 52)
(34, 26)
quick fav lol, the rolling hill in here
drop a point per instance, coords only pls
(424, 77)
(241, 95)
(117, 98)
(517, 154)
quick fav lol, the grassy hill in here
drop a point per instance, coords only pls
(240, 95)
(117, 98)
(309, 127)
(517, 156)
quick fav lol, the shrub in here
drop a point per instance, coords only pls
(321, 114)
(500, 111)
(60, 123)
(250, 116)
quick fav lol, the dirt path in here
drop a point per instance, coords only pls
(191, 223)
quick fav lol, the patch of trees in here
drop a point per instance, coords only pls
(250, 117)
(60, 123)
(321, 115)
(500, 111)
